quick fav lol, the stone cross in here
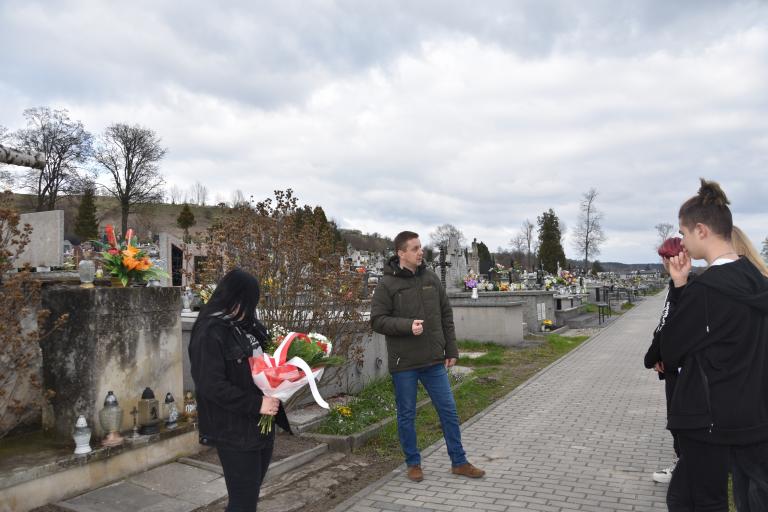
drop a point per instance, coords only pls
(443, 264)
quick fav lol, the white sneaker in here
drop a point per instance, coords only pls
(665, 475)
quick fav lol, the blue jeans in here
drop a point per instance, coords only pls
(435, 381)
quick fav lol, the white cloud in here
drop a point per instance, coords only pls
(426, 114)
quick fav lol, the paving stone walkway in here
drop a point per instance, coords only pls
(585, 434)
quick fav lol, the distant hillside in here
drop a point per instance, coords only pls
(613, 266)
(372, 242)
(148, 220)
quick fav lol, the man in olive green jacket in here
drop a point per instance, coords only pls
(410, 308)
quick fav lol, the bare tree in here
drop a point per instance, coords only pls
(199, 193)
(6, 178)
(238, 198)
(588, 234)
(294, 252)
(131, 154)
(440, 236)
(175, 194)
(527, 234)
(664, 230)
(64, 144)
(518, 243)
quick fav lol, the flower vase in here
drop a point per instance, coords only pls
(474, 293)
(115, 282)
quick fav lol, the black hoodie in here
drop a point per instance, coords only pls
(717, 333)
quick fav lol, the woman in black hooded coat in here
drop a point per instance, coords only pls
(230, 405)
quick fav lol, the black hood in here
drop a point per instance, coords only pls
(739, 280)
(392, 268)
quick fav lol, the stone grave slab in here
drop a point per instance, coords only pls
(46, 244)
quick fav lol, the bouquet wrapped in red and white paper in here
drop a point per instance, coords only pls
(298, 361)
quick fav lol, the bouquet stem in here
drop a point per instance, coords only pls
(266, 423)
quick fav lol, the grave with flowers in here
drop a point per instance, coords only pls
(101, 341)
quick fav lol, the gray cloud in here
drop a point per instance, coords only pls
(421, 113)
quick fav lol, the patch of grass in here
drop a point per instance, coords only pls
(494, 354)
(563, 344)
(484, 387)
(589, 308)
(489, 359)
(375, 402)
(475, 346)
(627, 306)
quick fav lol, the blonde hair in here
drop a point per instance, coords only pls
(744, 247)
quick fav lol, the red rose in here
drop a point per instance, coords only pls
(113, 252)
(671, 247)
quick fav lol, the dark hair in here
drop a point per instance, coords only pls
(401, 240)
(710, 207)
(237, 291)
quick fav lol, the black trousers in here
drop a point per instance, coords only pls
(243, 473)
(749, 466)
(700, 480)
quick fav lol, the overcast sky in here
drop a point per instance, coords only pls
(408, 114)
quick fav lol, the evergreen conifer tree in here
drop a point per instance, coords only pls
(550, 249)
(86, 224)
(185, 220)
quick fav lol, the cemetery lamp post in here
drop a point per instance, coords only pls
(111, 418)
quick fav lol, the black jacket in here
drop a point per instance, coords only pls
(228, 402)
(653, 355)
(717, 334)
(402, 297)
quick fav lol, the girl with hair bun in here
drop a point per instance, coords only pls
(716, 337)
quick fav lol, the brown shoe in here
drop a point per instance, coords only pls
(468, 470)
(415, 473)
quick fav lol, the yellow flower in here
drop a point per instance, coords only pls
(344, 411)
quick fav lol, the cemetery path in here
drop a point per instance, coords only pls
(584, 434)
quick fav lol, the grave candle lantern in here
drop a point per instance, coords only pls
(149, 414)
(111, 419)
(86, 269)
(190, 406)
(171, 412)
(82, 436)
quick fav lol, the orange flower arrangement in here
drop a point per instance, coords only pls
(125, 261)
